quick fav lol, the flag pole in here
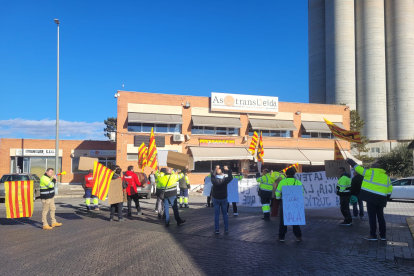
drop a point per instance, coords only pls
(337, 141)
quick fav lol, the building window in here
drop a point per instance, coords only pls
(316, 135)
(214, 130)
(202, 167)
(159, 128)
(375, 150)
(272, 133)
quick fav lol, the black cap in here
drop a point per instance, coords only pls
(291, 171)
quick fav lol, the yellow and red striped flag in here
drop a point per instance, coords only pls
(152, 152)
(102, 177)
(296, 166)
(350, 136)
(337, 153)
(142, 156)
(260, 150)
(19, 199)
(253, 143)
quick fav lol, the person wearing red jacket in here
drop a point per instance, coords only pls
(132, 181)
(87, 186)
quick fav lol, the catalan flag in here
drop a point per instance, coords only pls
(253, 143)
(19, 199)
(260, 150)
(337, 153)
(152, 152)
(142, 156)
(102, 177)
(350, 136)
(296, 166)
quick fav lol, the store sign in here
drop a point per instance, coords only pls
(102, 153)
(216, 143)
(35, 152)
(243, 103)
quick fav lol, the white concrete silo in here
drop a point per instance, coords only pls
(316, 43)
(340, 52)
(399, 18)
(371, 89)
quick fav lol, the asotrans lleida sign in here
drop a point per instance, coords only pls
(243, 103)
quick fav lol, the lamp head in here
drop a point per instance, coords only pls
(57, 21)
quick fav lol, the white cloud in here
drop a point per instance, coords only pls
(46, 129)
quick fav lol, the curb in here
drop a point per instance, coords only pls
(410, 223)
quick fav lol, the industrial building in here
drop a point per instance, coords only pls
(361, 53)
(218, 128)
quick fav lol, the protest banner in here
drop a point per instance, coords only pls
(293, 206)
(248, 193)
(332, 166)
(207, 186)
(115, 193)
(320, 191)
(233, 191)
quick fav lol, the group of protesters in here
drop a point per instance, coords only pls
(370, 185)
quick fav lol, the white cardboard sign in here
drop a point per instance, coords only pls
(233, 191)
(293, 207)
(207, 186)
(320, 191)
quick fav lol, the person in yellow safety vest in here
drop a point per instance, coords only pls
(159, 205)
(235, 213)
(167, 183)
(288, 181)
(343, 190)
(265, 190)
(376, 189)
(184, 185)
(47, 194)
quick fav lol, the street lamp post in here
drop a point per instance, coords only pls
(57, 107)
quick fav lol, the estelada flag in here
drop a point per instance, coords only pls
(142, 155)
(19, 199)
(350, 136)
(296, 166)
(102, 177)
(337, 153)
(152, 152)
(260, 150)
(253, 143)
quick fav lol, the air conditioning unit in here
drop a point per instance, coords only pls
(178, 138)
(112, 136)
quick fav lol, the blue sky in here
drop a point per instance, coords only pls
(171, 47)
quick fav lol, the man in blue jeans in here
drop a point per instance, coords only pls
(220, 182)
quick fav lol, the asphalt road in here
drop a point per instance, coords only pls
(88, 244)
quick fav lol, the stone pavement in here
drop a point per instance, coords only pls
(88, 244)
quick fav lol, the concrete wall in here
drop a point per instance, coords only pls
(317, 61)
(370, 67)
(399, 18)
(340, 52)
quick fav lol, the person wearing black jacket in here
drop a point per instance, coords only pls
(220, 183)
(117, 207)
(355, 190)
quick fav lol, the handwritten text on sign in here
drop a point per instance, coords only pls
(293, 207)
(320, 191)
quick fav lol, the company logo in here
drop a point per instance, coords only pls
(243, 103)
(229, 101)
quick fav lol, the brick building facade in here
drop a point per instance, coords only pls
(35, 155)
(304, 140)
